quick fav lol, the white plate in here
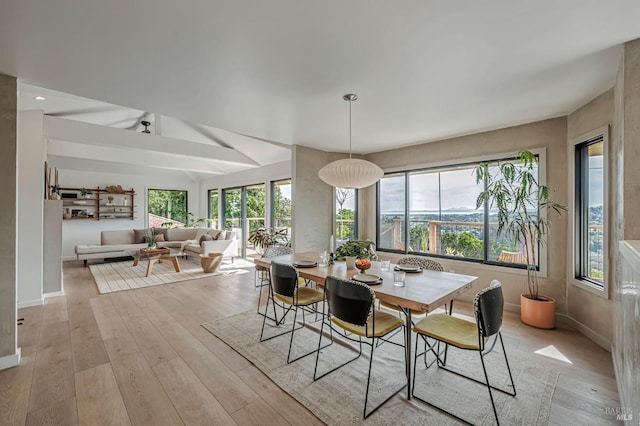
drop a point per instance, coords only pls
(366, 278)
(409, 268)
(305, 263)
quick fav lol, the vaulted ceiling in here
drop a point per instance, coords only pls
(257, 76)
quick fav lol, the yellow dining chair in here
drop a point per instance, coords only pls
(480, 336)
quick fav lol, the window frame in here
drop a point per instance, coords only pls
(587, 284)
(272, 201)
(463, 162)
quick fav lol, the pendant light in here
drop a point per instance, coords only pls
(351, 173)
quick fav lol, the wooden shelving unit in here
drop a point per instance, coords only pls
(97, 206)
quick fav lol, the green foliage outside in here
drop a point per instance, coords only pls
(345, 225)
(419, 238)
(281, 208)
(168, 203)
(461, 244)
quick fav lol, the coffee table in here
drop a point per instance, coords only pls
(172, 256)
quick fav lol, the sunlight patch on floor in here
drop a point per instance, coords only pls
(553, 352)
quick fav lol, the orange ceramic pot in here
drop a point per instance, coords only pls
(538, 313)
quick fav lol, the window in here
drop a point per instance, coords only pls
(214, 198)
(435, 211)
(589, 232)
(346, 225)
(255, 208)
(166, 206)
(281, 204)
(244, 211)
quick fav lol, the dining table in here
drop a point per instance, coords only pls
(423, 290)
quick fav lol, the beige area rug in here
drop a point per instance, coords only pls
(338, 398)
(119, 276)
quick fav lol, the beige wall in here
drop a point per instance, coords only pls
(549, 134)
(582, 304)
(8, 103)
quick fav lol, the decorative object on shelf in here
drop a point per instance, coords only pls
(125, 202)
(66, 214)
(115, 189)
(110, 201)
(146, 125)
(86, 193)
(522, 203)
(351, 173)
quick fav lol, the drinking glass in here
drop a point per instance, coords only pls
(385, 265)
(398, 278)
(324, 258)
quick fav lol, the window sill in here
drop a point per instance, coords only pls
(591, 288)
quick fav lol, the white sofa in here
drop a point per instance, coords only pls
(122, 243)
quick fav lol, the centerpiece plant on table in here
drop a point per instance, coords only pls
(352, 250)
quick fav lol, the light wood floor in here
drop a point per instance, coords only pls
(141, 357)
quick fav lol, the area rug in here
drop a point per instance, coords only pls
(338, 398)
(119, 276)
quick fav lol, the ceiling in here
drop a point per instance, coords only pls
(256, 76)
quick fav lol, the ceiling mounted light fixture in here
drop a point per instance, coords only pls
(39, 98)
(352, 173)
(146, 125)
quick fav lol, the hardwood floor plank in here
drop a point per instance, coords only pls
(98, 397)
(86, 342)
(63, 413)
(15, 385)
(194, 402)
(146, 401)
(277, 399)
(29, 331)
(55, 309)
(259, 413)
(117, 339)
(53, 373)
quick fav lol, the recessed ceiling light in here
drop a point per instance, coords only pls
(39, 98)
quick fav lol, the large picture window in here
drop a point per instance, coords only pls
(589, 231)
(214, 202)
(166, 206)
(281, 204)
(434, 210)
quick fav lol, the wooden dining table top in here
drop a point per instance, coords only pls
(423, 291)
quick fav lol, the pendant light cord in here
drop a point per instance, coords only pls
(350, 101)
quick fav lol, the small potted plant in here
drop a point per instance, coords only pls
(86, 193)
(352, 250)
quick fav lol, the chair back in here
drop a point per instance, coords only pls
(274, 251)
(488, 306)
(422, 262)
(348, 301)
(284, 279)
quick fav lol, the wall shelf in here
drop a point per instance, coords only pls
(75, 206)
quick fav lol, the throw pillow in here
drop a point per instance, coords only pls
(221, 235)
(228, 236)
(159, 238)
(141, 234)
(205, 237)
(161, 231)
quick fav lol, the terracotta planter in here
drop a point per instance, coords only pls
(538, 313)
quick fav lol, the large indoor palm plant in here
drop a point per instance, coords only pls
(522, 204)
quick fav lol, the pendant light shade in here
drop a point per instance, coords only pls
(352, 173)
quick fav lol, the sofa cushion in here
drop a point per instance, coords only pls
(141, 234)
(205, 237)
(161, 231)
(126, 236)
(181, 234)
(193, 248)
(214, 233)
(221, 235)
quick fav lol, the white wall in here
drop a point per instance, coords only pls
(88, 231)
(31, 156)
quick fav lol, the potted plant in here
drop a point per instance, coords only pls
(86, 193)
(522, 204)
(352, 250)
(262, 238)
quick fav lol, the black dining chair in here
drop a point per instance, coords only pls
(480, 336)
(263, 274)
(285, 293)
(351, 308)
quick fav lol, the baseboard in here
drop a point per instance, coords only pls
(599, 339)
(53, 294)
(10, 360)
(30, 303)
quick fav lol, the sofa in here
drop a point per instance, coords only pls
(122, 242)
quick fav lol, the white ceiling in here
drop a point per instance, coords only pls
(275, 71)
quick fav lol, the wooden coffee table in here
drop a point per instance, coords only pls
(156, 257)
